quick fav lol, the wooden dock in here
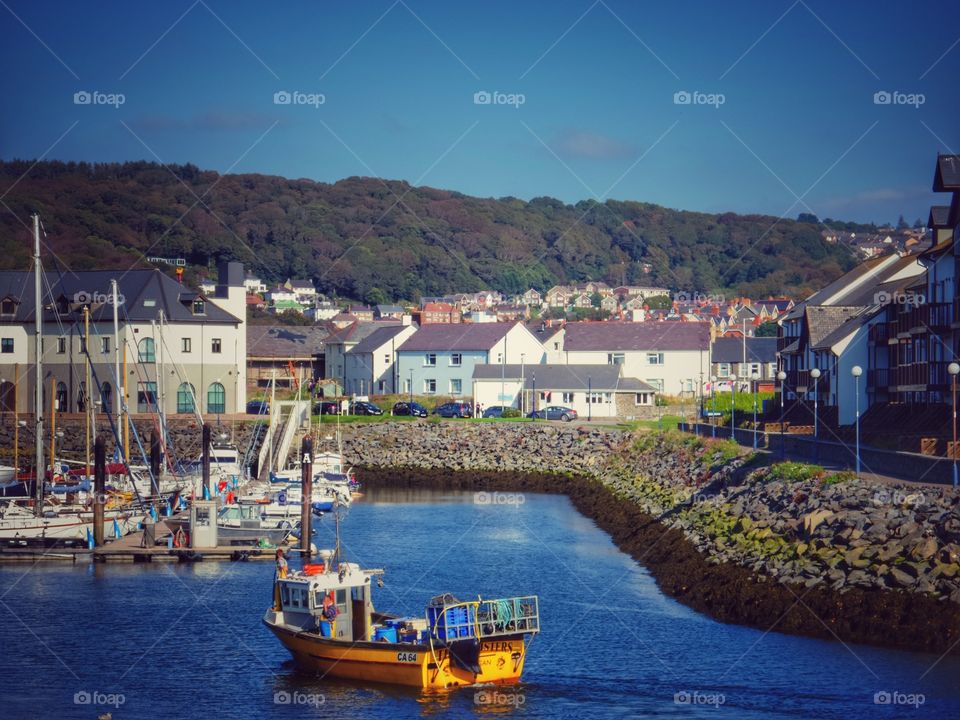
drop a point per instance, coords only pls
(131, 549)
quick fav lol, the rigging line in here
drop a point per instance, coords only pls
(113, 428)
(182, 377)
(154, 481)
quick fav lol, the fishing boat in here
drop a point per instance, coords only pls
(324, 616)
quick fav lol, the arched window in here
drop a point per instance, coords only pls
(105, 397)
(216, 399)
(185, 395)
(62, 397)
(146, 351)
(82, 397)
(8, 397)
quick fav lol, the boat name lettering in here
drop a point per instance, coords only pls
(406, 657)
(496, 647)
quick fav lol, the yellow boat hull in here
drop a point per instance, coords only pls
(500, 661)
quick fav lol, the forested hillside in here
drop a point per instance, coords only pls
(375, 240)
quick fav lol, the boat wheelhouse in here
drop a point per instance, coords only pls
(325, 617)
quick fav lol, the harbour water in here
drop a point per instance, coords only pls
(185, 641)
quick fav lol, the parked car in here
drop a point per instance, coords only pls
(494, 411)
(258, 407)
(554, 412)
(454, 409)
(326, 407)
(410, 408)
(362, 407)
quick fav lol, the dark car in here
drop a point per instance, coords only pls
(494, 411)
(258, 407)
(362, 407)
(454, 409)
(414, 409)
(326, 407)
(554, 412)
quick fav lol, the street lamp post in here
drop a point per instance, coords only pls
(953, 368)
(755, 378)
(589, 398)
(521, 385)
(683, 410)
(815, 374)
(733, 407)
(713, 405)
(534, 398)
(411, 386)
(857, 371)
(782, 377)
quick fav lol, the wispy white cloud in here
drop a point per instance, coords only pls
(588, 145)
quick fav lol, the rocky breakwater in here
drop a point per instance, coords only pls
(786, 547)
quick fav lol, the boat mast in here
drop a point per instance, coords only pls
(117, 391)
(40, 473)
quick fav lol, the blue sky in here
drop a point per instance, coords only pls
(781, 96)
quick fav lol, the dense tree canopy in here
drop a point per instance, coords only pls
(374, 240)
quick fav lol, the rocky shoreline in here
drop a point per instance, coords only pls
(782, 547)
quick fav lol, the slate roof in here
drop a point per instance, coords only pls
(730, 350)
(939, 216)
(947, 175)
(456, 336)
(601, 378)
(622, 336)
(284, 341)
(144, 294)
(378, 338)
(357, 330)
(823, 320)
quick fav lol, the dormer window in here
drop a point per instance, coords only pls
(199, 307)
(8, 306)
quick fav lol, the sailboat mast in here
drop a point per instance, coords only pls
(117, 396)
(38, 350)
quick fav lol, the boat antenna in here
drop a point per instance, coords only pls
(40, 473)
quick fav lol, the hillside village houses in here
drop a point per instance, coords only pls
(185, 351)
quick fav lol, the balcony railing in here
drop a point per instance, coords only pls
(800, 379)
(941, 315)
(878, 378)
(880, 332)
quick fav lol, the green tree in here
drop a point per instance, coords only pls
(767, 329)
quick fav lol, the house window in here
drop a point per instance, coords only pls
(723, 370)
(556, 346)
(8, 307)
(429, 386)
(216, 399)
(199, 307)
(104, 345)
(386, 359)
(614, 358)
(61, 345)
(499, 358)
(754, 368)
(146, 397)
(642, 398)
(654, 358)
(186, 345)
(185, 394)
(381, 386)
(83, 344)
(567, 398)
(594, 398)
(215, 345)
(146, 351)
(456, 360)
(406, 386)
(430, 359)
(456, 386)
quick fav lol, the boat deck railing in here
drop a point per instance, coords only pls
(481, 619)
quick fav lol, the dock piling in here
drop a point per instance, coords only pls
(205, 460)
(99, 486)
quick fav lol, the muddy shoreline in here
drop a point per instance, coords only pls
(726, 592)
